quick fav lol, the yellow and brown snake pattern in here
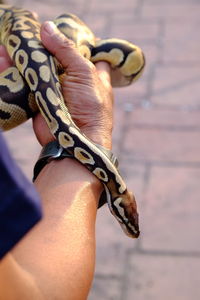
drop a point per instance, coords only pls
(34, 84)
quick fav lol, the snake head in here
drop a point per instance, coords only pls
(127, 214)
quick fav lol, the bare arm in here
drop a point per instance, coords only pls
(55, 260)
(57, 257)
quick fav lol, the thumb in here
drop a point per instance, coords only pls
(61, 47)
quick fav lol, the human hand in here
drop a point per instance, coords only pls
(5, 61)
(86, 89)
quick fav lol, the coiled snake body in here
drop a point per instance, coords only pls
(35, 80)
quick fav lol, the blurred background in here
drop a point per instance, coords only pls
(157, 139)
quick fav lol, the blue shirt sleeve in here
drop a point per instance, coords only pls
(20, 206)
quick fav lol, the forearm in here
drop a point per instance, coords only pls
(59, 252)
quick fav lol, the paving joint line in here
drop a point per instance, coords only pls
(175, 253)
(178, 108)
(146, 98)
(125, 275)
(173, 3)
(146, 179)
(86, 9)
(110, 276)
(161, 37)
(159, 127)
(166, 164)
(122, 133)
(145, 102)
(138, 8)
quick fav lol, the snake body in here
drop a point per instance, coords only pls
(35, 79)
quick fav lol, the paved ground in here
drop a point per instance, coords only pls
(157, 138)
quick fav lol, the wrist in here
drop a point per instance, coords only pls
(100, 137)
(54, 152)
(66, 172)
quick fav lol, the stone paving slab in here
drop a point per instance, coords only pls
(156, 136)
(159, 118)
(178, 35)
(111, 6)
(134, 30)
(162, 145)
(173, 86)
(55, 8)
(180, 10)
(170, 215)
(105, 288)
(163, 277)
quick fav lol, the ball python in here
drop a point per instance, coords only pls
(33, 84)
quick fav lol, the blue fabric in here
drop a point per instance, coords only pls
(20, 206)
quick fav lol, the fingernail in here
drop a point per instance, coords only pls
(50, 27)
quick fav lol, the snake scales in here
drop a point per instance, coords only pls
(35, 79)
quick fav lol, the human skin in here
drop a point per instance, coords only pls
(56, 259)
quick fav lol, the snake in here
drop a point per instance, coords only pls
(33, 84)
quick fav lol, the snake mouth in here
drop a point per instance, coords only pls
(131, 231)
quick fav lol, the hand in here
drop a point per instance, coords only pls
(5, 61)
(86, 89)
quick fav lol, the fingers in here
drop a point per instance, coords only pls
(103, 70)
(61, 47)
(5, 61)
(41, 129)
(35, 15)
(68, 55)
(85, 88)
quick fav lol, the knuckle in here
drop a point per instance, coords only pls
(68, 43)
(89, 66)
(65, 42)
